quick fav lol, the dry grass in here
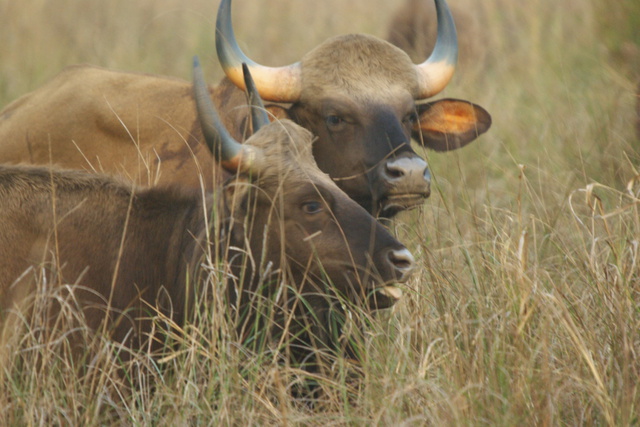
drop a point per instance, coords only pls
(526, 306)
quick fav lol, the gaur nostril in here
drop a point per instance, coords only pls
(402, 260)
(427, 174)
(412, 171)
(394, 171)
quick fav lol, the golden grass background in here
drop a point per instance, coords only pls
(526, 306)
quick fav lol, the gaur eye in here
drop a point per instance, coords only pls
(334, 120)
(312, 207)
(411, 118)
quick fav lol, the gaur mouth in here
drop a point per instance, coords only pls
(381, 294)
(384, 297)
(395, 203)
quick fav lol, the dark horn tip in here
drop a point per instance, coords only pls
(259, 116)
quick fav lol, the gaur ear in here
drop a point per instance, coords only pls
(276, 111)
(448, 124)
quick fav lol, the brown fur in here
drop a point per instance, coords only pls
(126, 249)
(360, 67)
(119, 123)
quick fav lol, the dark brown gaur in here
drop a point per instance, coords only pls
(284, 231)
(360, 96)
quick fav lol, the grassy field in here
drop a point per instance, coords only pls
(525, 309)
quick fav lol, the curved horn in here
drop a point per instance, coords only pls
(281, 84)
(232, 155)
(437, 70)
(259, 116)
